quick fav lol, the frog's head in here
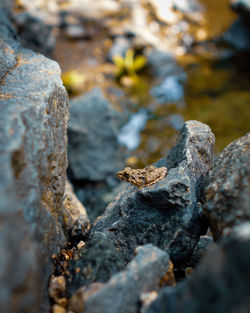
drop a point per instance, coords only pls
(124, 174)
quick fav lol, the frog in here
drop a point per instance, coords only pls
(144, 177)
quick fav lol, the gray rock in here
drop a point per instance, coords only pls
(193, 148)
(242, 7)
(161, 63)
(238, 35)
(97, 196)
(227, 191)
(200, 250)
(33, 161)
(121, 293)
(220, 284)
(165, 214)
(35, 33)
(94, 152)
(74, 216)
(97, 261)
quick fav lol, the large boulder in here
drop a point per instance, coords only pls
(166, 214)
(227, 190)
(33, 161)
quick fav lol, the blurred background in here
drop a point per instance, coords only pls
(157, 62)
(135, 71)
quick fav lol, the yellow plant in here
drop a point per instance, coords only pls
(130, 64)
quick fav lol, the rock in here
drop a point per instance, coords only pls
(242, 7)
(146, 299)
(58, 309)
(165, 214)
(33, 161)
(150, 215)
(97, 196)
(227, 188)
(78, 300)
(121, 293)
(193, 149)
(74, 216)
(162, 63)
(97, 261)
(34, 33)
(238, 35)
(57, 287)
(199, 251)
(94, 151)
(220, 284)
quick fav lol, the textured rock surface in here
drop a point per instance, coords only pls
(121, 293)
(74, 217)
(193, 149)
(93, 146)
(220, 284)
(227, 190)
(97, 261)
(165, 214)
(33, 161)
(200, 250)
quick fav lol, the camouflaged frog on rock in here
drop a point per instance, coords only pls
(142, 177)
